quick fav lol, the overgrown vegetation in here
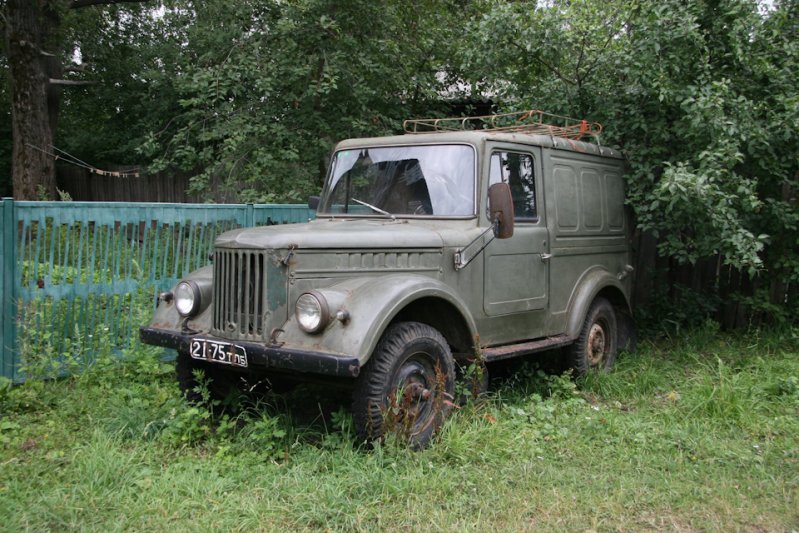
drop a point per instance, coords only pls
(697, 432)
(700, 97)
(249, 98)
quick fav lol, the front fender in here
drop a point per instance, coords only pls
(370, 304)
(166, 316)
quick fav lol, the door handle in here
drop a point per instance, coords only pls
(545, 257)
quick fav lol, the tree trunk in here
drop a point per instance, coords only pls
(32, 170)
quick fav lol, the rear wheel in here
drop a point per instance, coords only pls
(596, 346)
(407, 387)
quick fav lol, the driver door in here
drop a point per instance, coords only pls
(517, 268)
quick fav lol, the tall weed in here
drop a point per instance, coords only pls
(720, 392)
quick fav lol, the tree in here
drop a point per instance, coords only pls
(131, 54)
(267, 87)
(33, 47)
(5, 131)
(702, 98)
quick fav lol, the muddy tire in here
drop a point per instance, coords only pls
(407, 387)
(596, 347)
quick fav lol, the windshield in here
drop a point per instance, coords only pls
(435, 180)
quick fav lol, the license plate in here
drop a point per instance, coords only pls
(218, 352)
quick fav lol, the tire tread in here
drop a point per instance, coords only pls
(371, 390)
(576, 352)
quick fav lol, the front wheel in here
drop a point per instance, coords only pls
(407, 387)
(596, 346)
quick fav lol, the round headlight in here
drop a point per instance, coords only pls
(312, 312)
(187, 298)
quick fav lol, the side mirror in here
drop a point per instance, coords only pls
(313, 202)
(500, 210)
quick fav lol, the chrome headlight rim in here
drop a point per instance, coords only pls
(196, 298)
(318, 302)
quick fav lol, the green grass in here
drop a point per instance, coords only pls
(691, 434)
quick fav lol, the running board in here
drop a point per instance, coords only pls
(497, 353)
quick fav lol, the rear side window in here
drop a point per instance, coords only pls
(518, 171)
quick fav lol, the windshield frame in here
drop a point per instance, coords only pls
(326, 190)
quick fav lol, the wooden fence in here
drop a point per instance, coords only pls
(682, 294)
(172, 187)
(77, 276)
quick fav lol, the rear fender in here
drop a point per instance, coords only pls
(600, 282)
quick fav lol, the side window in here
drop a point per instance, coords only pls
(517, 170)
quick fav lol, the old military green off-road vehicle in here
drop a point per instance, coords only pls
(463, 241)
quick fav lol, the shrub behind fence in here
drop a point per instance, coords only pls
(77, 278)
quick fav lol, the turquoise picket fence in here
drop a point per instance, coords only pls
(80, 277)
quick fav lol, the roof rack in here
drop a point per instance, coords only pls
(533, 121)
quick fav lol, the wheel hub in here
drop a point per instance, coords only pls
(596, 345)
(414, 383)
(417, 391)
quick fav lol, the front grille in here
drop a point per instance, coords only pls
(239, 291)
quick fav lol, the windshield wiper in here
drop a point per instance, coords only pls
(373, 208)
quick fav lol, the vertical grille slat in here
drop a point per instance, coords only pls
(239, 292)
(259, 284)
(216, 301)
(246, 303)
(257, 288)
(238, 297)
(224, 280)
(228, 296)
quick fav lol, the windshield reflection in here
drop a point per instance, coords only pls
(435, 180)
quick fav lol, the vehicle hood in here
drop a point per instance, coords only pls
(335, 233)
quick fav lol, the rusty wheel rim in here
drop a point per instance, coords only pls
(415, 386)
(597, 346)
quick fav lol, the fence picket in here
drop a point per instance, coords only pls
(75, 274)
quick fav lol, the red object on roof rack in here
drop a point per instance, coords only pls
(533, 121)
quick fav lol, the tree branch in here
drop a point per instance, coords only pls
(590, 68)
(552, 68)
(71, 82)
(76, 4)
(76, 68)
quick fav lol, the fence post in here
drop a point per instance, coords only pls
(249, 216)
(8, 300)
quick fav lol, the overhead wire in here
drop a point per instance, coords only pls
(71, 159)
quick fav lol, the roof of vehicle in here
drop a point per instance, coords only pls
(477, 137)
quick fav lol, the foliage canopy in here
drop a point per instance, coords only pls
(266, 88)
(699, 95)
(248, 98)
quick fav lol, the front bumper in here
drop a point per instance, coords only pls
(264, 357)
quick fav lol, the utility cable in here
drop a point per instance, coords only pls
(71, 159)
